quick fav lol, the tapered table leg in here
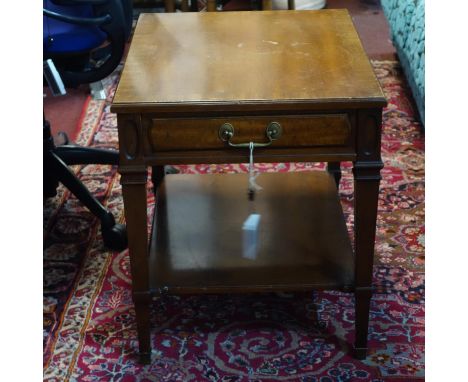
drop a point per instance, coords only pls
(366, 192)
(267, 5)
(169, 5)
(157, 175)
(184, 6)
(366, 189)
(211, 5)
(134, 195)
(334, 168)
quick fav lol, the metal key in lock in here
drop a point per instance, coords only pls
(253, 186)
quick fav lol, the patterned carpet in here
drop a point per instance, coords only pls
(89, 325)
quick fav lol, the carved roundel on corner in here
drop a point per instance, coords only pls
(131, 139)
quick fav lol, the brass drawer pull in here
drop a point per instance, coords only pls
(273, 132)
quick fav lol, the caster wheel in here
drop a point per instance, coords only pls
(114, 235)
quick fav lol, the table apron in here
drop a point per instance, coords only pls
(265, 155)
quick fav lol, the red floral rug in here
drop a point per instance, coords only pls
(89, 324)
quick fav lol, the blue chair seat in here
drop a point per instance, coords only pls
(61, 37)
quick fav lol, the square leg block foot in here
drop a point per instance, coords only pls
(360, 353)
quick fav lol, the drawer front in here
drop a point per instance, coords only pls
(178, 134)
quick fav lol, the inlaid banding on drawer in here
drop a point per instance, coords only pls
(179, 134)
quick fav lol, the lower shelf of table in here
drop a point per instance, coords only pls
(196, 241)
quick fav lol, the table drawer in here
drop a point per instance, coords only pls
(178, 134)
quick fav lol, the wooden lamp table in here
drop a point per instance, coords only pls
(296, 83)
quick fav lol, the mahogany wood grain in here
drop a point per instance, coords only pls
(366, 170)
(262, 155)
(133, 180)
(185, 75)
(197, 234)
(213, 60)
(203, 134)
(134, 193)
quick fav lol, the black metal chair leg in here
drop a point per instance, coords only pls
(49, 180)
(73, 154)
(49, 185)
(114, 235)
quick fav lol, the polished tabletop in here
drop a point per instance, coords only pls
(227, 59)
